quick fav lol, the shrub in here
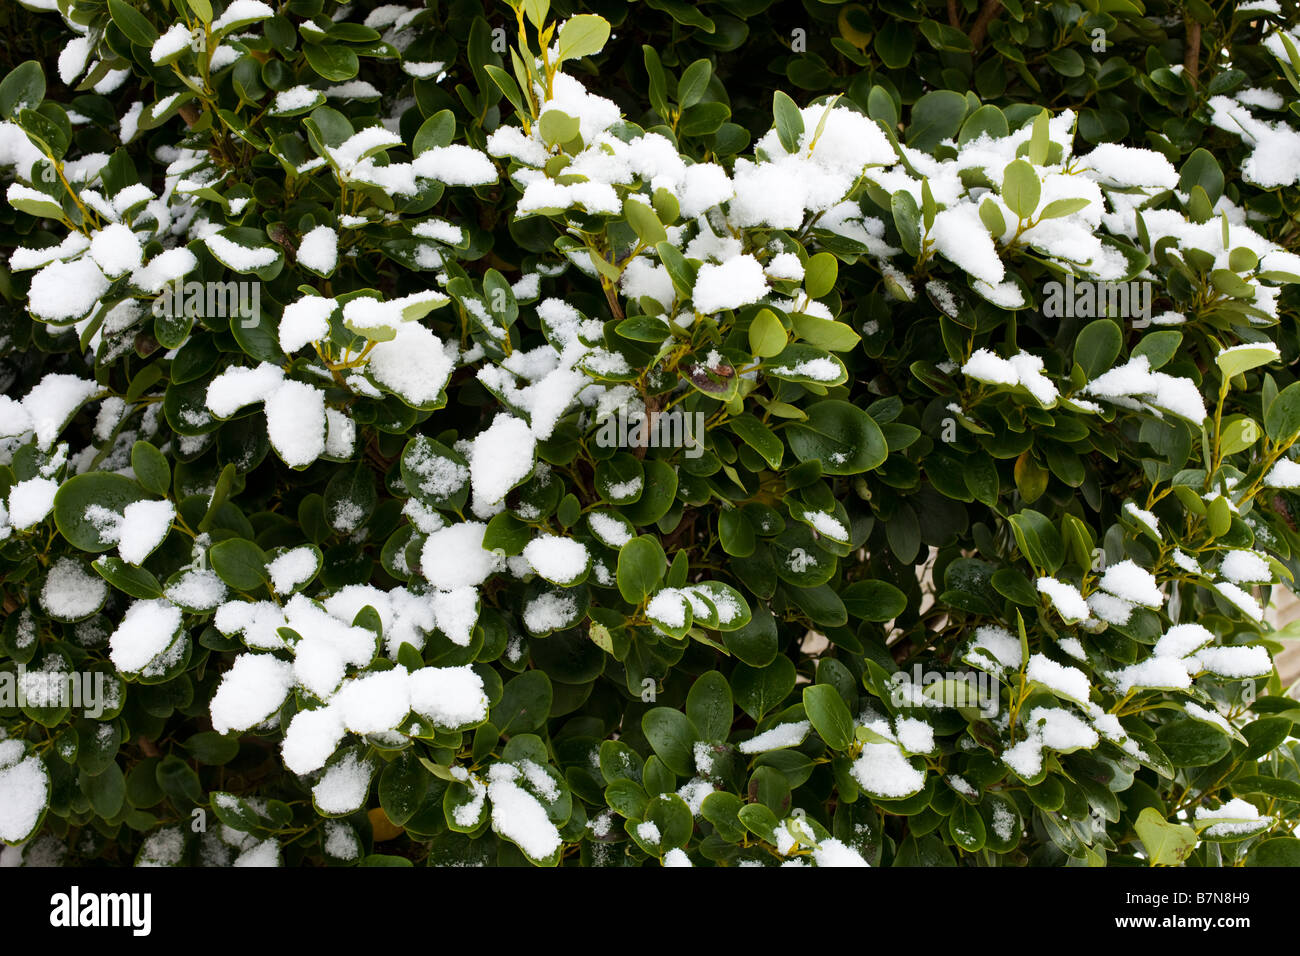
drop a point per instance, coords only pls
(482, 435)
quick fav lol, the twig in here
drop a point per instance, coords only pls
(1192, 52)
(981, 27)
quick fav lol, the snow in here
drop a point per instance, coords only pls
(1022, 369)
(560, 560)
(1061, 679)
(291, 569)
(168, 265)
(30, 501)
(1132, 583)
(295, 422)
(1244, 602)
(1285, 474)
(1234, 662)
(449, 696)
(373, 703)
(1245, 567)
(242, 11)
(609, 529)
(1145, 517)
(648, 832)
(145, 631)
(668, 608)
(294, 98)
(319, 250)
(677, 857)
(1200, 713)
(738, 281)
(1239, 816)
(1135, 379)
(454, 557)
(1120, 166)
(1067, 600)
(550, 611)
(500, 458)
(779, 737)
(915, 736)
(414, 364)
(71, 592)
(176, 39)
(1154, 672)
(238, 257)
(250, 692)
(1181, 640)
(116, 250)
(518, 816)
(818, 369)
(52, 401)
(24, 789)
(455, 165)
(72, 60)
(238, 386)
(960, 237)
(344, 785)
(200, 589)
(883, 771)
(311, 739)
(998, 642)
(144, 526)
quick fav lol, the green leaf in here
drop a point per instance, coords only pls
(525, 704)
(1275, 852)
(767, 336)
(1097, 346)
(1243, 358)
(673, 737)
(824, 333)
(936, 116)
(694, 82)
(644, 222)
(23, 88)
(106, 490)
(1190, 743)
(820, 275)
(1021, 188)
(583, 35)
(240, 563)
(842, 437)
(1167, 844)
(758, 437)
(1063, 207)
(789, 121)
(874, 600)
(333, 62)
(641, 567)
(134, 24)
(759, 690)
(151, 468)
(830, 718)
(128, 578)
(1282, 417)
(709, 706)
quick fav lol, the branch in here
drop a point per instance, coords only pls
(1192, 52)
(981, 28)
(953, 19)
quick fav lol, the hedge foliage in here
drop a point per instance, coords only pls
(729, 433)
